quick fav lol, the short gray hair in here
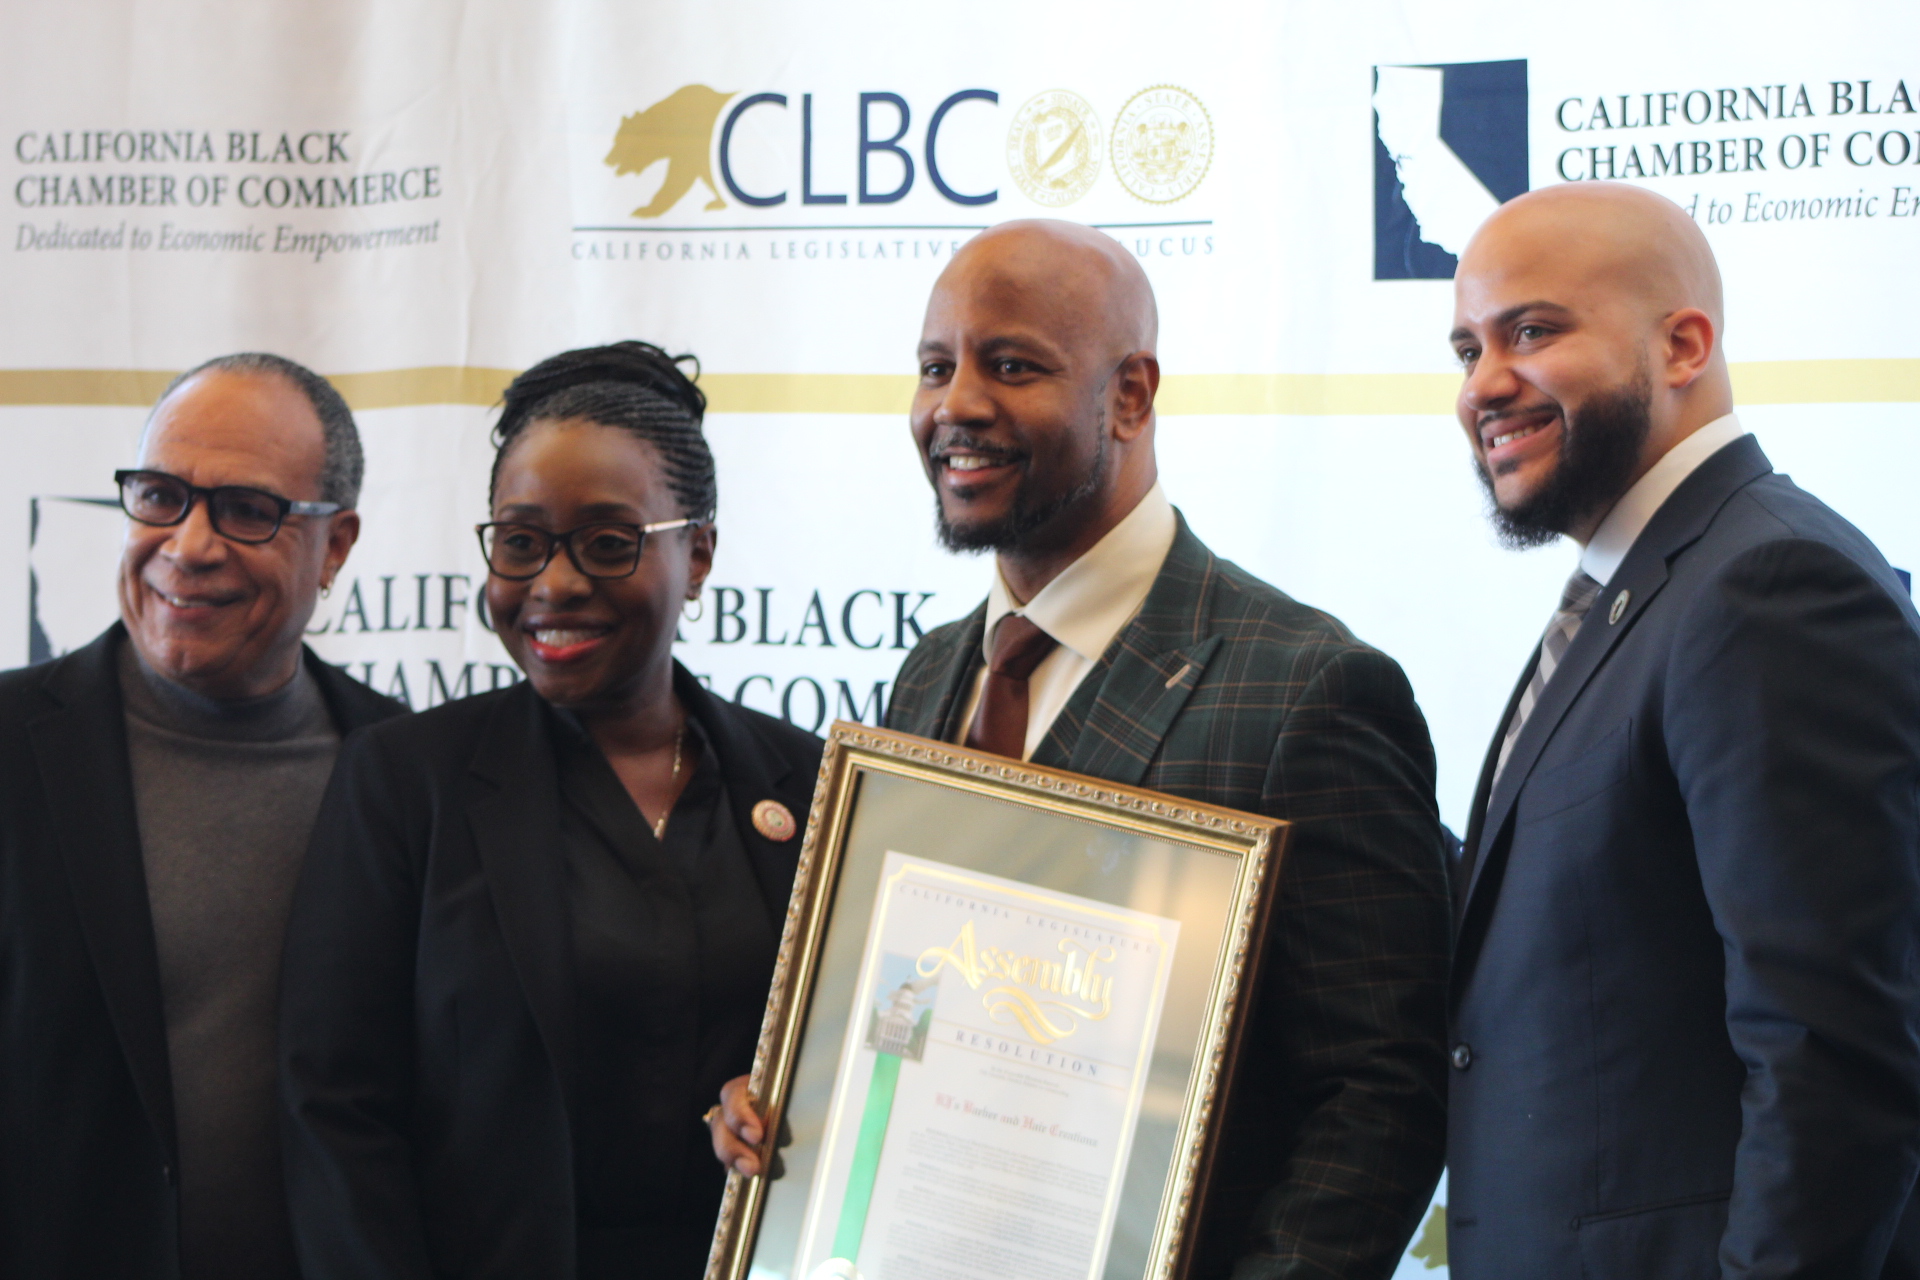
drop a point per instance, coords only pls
(343, 465)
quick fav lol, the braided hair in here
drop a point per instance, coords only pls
(633, 386)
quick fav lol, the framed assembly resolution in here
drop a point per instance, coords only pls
(1001, 1023)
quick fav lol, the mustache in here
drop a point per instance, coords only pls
(1515, 411)
(1597, 456)
(972, 442)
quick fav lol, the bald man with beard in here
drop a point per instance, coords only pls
(1685, 991)
(1114, 643)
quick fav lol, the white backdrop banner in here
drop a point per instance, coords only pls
(420, 199)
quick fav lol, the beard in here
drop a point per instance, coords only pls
(1599, 450)
(1028, 523)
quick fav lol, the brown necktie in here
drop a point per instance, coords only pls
(1000, 724)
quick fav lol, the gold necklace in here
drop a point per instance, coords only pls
(660, 827)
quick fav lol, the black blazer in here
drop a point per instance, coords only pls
(1224, 690)
(1687, 985)
(86, 1105)
(427, 1033)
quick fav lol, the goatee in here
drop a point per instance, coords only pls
(1600, 447)
(1029, 522)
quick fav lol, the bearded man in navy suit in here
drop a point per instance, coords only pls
(1688, 956)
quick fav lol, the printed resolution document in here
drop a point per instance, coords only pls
(984, 1105)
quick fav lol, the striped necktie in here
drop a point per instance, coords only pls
(1579, 596)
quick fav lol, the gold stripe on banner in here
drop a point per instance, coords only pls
(1826, 382)
(385, 389)
(889, 393)
(1892, 381)
(1307, 394)
(434, 384)
(82, 386)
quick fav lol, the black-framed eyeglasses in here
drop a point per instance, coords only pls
(603, 549)
(236, 511)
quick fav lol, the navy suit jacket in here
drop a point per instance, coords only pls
(1685, 987)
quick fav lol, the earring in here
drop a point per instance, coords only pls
(688, 612)
(326, 589)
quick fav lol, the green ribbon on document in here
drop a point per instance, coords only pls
(866, 1157)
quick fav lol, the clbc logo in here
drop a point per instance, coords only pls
(1449, 146)
(680, 129)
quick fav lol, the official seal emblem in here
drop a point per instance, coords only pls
(1053, 148)
(1162, 144)
(774, 820)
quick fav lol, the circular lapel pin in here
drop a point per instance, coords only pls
(1619, 609)
(774, 820)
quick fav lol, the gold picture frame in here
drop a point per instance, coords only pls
(1120, 1035)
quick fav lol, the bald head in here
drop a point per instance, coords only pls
(1069, 277)
(1034, 414)
(1588, 319)
(1611, 238)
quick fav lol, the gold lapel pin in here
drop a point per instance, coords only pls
(774, 820)
(1619, 609)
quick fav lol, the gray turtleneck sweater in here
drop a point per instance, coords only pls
(226, 794)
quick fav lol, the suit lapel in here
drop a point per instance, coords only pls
(81, 753)
(1641, 577)
(956, 686)
(516, 829)
(1143, 692)
(1476, 821)
(951, 680)
(1115, 723)
(1675, 526)
(753, 774)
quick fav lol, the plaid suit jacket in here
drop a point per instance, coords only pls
(1227, 691)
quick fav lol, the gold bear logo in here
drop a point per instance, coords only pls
(1432, 1246)
(679, 130)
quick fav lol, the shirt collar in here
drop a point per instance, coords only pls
(1623, 525)
(1085, 607)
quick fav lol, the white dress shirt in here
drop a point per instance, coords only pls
(1623, 525)
(1083, 608)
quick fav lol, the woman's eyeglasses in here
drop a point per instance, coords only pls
(604, 549)
(243, 514)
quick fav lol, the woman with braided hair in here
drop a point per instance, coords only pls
(536, 927)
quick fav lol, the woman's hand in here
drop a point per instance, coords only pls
(736, 1128)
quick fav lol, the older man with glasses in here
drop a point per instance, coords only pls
(156, 792)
